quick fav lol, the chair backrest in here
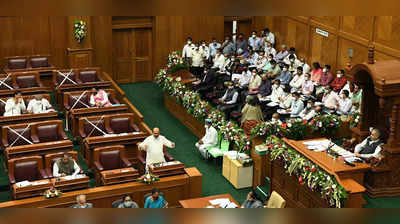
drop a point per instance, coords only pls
(276, 201)
(11, 136)
(116, 203)
(26, 81)
(27, 170)
(88, 76)
(224, 144)
(60, 78)
(2, 107)
(84, 99)
(120, 125)
(48, 133)
(8, 82)
(17, 63)
(39, 62)
(88, 128)
(110, 159)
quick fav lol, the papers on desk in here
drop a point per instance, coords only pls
(109, 135)
(72, 177)
(24, 183)
(236, 76)
(282, 111)
(272, 104)
(234, 154)
(223, 203)
(322, 145)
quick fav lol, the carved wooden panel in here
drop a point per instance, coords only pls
(323, 49)
(297, 36)
(360, 53)
(387, 31)
(79, 58)
(330, 21)
(358, 25)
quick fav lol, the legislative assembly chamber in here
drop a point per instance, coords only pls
(199, 112)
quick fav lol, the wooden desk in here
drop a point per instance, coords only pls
(205, 201)
(116, 176)
(63, 184)
(175, 188)
(168, 169)
(38, 149)
(238, 175)
(296, 195)
(32, 190)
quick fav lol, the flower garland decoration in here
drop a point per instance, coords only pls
(307, 172)
(326, 124)
(52, 193)
(354, 118)
(148, 178)
(200, 109)
(175, 62)
(80, 30)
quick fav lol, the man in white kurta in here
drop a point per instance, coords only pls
(153, 145)
(15, 106)
(210, 139)
(39, 105)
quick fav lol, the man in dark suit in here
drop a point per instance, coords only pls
(207, 82)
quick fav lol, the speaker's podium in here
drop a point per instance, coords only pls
(167, 169)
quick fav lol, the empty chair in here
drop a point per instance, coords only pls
(13, 139)
(72, 98)
(59, 78)
(90, 130)
(112, 158)
(276, 201)
(122, 125)
(49, 132)
(89, 75)
(17, 63)
(5, 84)
(26, 80)
(39, 62)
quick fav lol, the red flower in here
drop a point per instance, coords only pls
(313, 169)
(331, 124)
(300, 179)
(284, 125)
(312, 122)
(307, 168)
(304, 122)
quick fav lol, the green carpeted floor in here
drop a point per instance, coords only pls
(148, 98)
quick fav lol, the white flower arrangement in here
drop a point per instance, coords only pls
(80, 31)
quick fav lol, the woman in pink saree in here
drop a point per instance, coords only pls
(99, 98)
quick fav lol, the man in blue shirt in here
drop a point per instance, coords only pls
(285, 75)
(155, 200)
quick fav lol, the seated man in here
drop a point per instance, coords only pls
(15, 106)
(99, 98)
(65, 166)
(228, 100)
(297, 80)
(155, 200)
(370, 147)
(307, 88)
(330, 99)
(274, 70)
(277, 92)
(297, 106)
(286, 101)
(344, 104)
(209, 139)
(81, 202)
(39, 105)
(127, 202)
(252, 201)
(244, 78)
(310, 111)
(285, 76)
(154, 147)
(275, 119)
(339, 82)
(255, 81)
(265, 87)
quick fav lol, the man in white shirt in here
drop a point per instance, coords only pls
(286, 101)
(269, 36)
(307, 87)
(370, 147)
(252, 59)
(254, 41)
(261, 61)
(197, 62)
(15, 106)
(255, 81)
(344, 104)
(281, 54)
(292, 55)
(277, 92)
(219, 60)
(154, 147)
(244, 79)
(297, 80)
(39, 105)
(310, 111)
(204, 49)
(65, 166)
(306, 67)
(330, 98)
(210, 139)
(212, 47)
(270, 50)
(187, 50)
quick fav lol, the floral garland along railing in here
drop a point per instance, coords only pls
(199, 108)
(307, 172)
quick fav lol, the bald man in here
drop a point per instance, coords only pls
(153, 145)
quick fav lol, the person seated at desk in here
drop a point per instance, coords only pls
(39, 105)
(285, 76)
(297, 80)
(255, 81)
(15, 106)
(276, 119)
(252, 201)
(65, 166)
(154, 147)
(297, 106)
(310, 111)
(155, 200)
(99, 98)
(81, 202)
(370, 147)
(330, 99)
(127, 202)
(344, 104)
(265, 87)
(307, 88)
(209, 139)
(228, 101)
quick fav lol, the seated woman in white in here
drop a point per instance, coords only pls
(39, 105)
(15, 106)
(99, 98)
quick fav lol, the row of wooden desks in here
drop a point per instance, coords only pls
(204, 202)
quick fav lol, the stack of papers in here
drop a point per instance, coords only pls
(72, 177)
(223, 203)
(39, 182)
(24, 183)
(318, 145)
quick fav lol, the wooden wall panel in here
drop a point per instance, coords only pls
(359, 53)
(329, 21)
(297, 36)
(102, 42)
(323, 49)
(358, 25)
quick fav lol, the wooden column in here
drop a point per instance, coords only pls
(79, 54)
